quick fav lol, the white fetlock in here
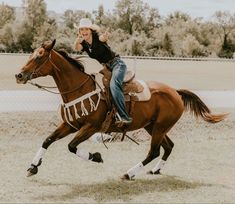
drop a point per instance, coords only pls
(135, 170)
(158, 166)
(83, 154)
(38, 157)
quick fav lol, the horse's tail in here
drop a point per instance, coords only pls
(196, 106)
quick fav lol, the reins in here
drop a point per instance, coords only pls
(46, 88)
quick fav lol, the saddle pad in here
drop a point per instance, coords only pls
(129, 76)
(144, 95)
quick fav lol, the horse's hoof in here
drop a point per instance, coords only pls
(29, 174)
(126, 177)
(154, 173)
(97, 158)
(32, 171)
(150, 172)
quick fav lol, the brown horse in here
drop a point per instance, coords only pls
(157, 116)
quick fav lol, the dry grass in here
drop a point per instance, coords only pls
(116, 190)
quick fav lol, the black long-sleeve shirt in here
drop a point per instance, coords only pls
(98, 50)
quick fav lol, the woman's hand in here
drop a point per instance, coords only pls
(80, 38)
(104, 37)
(77, 44)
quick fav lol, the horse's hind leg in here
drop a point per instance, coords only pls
(59, 133)
(158, 135)
(167, 145)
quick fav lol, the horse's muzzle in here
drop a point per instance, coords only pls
(22, 78)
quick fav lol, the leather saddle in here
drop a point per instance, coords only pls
(134, 90)
(130, 84)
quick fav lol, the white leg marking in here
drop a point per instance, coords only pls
(83, 154)
(159, 165)
(38, 156)
(135, 170)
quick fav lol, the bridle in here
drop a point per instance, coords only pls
(37, 72)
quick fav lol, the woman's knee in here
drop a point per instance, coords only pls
(112, 86)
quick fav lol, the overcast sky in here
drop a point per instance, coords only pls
(195, 8)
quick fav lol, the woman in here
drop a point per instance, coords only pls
(96, 47)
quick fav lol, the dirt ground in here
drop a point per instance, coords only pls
(201, 168)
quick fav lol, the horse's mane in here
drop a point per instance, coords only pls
(77, 63)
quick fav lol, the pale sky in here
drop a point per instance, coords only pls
(195, 8)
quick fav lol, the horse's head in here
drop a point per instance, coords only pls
(38, 64)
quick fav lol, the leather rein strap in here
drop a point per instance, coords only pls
(46, 88)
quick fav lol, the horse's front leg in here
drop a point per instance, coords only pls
(62, 131)
(84, 133)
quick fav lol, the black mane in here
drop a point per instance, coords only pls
(73, 61)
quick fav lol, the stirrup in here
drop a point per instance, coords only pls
(120, 122)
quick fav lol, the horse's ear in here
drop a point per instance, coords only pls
(49, 46)
(53, 43)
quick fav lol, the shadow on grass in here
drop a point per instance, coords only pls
(116, 190)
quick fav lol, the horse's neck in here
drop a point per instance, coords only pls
(69, 78)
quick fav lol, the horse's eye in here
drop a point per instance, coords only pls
(40, 53)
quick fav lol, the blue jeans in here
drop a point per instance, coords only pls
(118, 68)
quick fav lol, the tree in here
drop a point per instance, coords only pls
(72, 18)
(35, 17)
(25, 38)
(152, 20)
(36, 13)
(45, 32)
(226, 27)
(191, 47)
(7, 14)
(167, 45)
(177, 16)
(130, 15)
(99, 15)
(7, 39)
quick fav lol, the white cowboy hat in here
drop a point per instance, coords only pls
(86, 23)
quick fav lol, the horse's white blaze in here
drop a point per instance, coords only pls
(159, 165)
(35, 54)
(38, 156)
(135, 170)
(83, 154)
